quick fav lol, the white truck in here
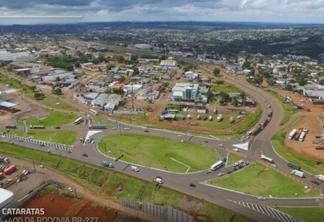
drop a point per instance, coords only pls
(157, 180)
(292, 134)
(320, 177)
(4, 159)
(297, 173)
(263, 157)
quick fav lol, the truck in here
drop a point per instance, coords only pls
(157, 180)
(294, 166)
(300, 130)
(11, 127)
(263, 157)
(98, 126)
(4, 159)
(320, 177)
(297, 173)
(302, 136)
(37, 127)
(10, 169)
(292, 134)
(2, 176)
(107, 164)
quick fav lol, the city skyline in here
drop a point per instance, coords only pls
(59, 11)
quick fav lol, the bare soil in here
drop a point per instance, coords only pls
(309, 120)
(56, 205)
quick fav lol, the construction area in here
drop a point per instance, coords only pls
(310, 124)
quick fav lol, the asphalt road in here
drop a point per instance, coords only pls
(180, 182)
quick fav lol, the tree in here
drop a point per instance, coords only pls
(288, 87)
(321, 82)
(216, 71)
(234, 101)
(57, 91)
(77, 65)
(110, 66)
(243, 98)
(246, 65)
(136, 71)
(38, 95)
(224, 96)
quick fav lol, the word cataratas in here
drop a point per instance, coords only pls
(22, 211)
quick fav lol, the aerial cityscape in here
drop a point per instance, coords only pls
(106, 115)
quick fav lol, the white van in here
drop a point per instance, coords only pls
(134, 168)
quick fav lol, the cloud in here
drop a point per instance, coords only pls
(142, 10)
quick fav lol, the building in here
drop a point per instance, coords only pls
(16, 56)
(142, 46)
(191, 75)
(168, 63)
(6, 197)
(187, 92)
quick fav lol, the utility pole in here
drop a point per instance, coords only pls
(34, 166)
(132, 103)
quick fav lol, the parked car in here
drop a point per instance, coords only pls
(192, 185)
(85, 155)
(221, 174)
(315, 182)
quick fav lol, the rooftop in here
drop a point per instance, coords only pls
(5, 195)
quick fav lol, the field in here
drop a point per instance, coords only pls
(55, 118)
(63, 137)
(56, 104)
(289, 110)
(310, 165)
(307, 214)
(69, 207)
(232, 158)
(159, 152)
(115, 185)
(259, 180)
(226, 87)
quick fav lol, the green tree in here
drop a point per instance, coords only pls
(321, 82)
(38, 95)
(216, 71)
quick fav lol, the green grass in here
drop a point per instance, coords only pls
(232, 158)
(157, 152)
(307, 214)
(226, 87)
(289, 110)
(55, 118)
(256, 179)
(57, 104)
(310, 165)
(63, 137)
(112, 184)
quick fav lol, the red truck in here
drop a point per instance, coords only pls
(2, 176)
(9, 169)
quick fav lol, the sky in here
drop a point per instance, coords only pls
(72, 11)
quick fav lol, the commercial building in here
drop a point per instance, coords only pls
(188, 92)
(6, 197)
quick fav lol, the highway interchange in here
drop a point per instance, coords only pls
(180, 182)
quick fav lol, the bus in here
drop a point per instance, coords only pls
(217, 165)
(263, 157)
(78, 121)
(94, 112)
(294, 166)
(37, 127)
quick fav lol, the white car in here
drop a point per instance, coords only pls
(70, 189)
(221, 174)
(235, 149)
(261, 198)
(274, 165)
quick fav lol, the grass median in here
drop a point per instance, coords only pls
(232, 158)
(116, 186)
(257, 179)
(289, 110)
(159, 152)
(306, 214)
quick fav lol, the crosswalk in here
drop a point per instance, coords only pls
(269, 211)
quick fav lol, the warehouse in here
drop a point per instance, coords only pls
(6, 197)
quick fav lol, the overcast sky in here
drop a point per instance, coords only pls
(22, 11)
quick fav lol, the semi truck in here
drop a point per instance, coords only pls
(294, 166)
(37, 127)
(302, 136)
(292, 134)
(4, 159)
(320, 177)
(9, 169)
(107, 164)
(297, 173)
(263, 157)
(11, 127)
(98, 126)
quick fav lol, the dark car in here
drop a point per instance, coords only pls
(85, 155)
(192, 185)
(146, 131)
(229, 172)
(69, 151)
(315, 182)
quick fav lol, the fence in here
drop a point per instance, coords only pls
(163, 213)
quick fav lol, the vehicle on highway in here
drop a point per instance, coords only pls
(206, 141)
(107, 164)
(315, 182)
(209, 171)
(217, 165)
(84, 154)
(221, 174)
(157, 179)
(192, 185)
(134, 168)
(81, 140)
(235, 149)
(69, 151)
(126, 128)
(261, 198)
(220, 145)
(274, 165)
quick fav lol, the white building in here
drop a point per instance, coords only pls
(6, 197)
(191, 75)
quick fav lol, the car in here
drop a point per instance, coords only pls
(261, 198)
(206, 141)
(192, 185)
(274, 165)
(57, 127)
(70, 189)
(81, 139)
(221, 174)
(220, 145)
(92, 142)
(209, 171)
(69, 151)
(84, 154)
(146, 131)
(229, 172)
(315, 182)
(41, 166)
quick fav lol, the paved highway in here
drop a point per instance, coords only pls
(231, 200)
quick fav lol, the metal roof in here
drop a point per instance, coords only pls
(7, 104)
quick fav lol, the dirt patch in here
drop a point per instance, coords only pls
(56, 205)
(189, 205)
(309, 120)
